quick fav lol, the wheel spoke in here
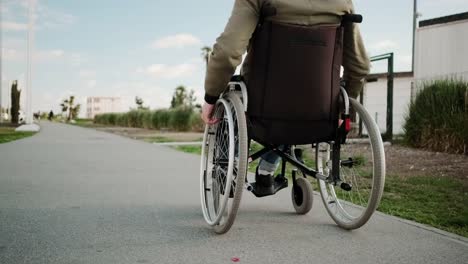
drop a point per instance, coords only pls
(352, 209)
(220, 209)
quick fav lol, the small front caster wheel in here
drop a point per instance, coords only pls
(302, 196)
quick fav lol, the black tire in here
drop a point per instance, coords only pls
(302, 196)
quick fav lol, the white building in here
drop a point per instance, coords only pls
(101, 105)
(375, 99)
(442, 48)
(441, 51)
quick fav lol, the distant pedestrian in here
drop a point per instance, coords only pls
(51, 115)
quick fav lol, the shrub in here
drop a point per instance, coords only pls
(196, 123)
(112, 119)
(122, 120)
(147, 119)
(165, 118)
(180, 119)
(161, 118)
(103, 119)
(438, 118)
(155, 119)
(98, 119)
(135, 118)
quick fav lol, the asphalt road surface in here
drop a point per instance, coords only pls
(76, 195)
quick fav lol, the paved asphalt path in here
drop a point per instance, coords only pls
(75, 195)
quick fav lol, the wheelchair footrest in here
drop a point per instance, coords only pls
(280, 183)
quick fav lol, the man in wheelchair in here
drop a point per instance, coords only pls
(245, 27)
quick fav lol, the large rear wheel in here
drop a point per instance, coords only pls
(224, 164)
(352, 201)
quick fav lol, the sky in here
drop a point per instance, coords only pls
(147, 48)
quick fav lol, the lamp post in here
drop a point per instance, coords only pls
(29, 114)
(29, 126)
(1, 72)
(416, 15)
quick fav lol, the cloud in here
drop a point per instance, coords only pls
(51, 18)
(167, 71)
(46, 101)
(153, 96)
(49, 55)
(4, 9)
(44, 56)
(176, 41)
(13, 26)
(25, 3)
(86, 73)
(91, 83)
(15, 15)
(70, 58)
(383, 46)
(76, 59)
(11, 54)
(14, 43)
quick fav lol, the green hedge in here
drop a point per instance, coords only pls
(180, 119)
(438, 117)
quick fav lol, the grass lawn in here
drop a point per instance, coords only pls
(190, 149)
(159, 139)
(85, 123)
(8, 134)
(167, 139)
(437, 201)
(440, 202)
(144, 134)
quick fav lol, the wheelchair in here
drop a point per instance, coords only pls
(347, 156)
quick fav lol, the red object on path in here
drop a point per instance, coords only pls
(235, 259)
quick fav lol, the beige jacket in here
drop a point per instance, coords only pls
(233, 42)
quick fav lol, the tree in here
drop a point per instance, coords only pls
(15, 102)
(181, 98)
(75, 111)
(69, 105)
(191, 99)
(206, 52)
(139, 102)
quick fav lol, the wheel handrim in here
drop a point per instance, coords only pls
(347, 206)
(352, 209)
(223, 154)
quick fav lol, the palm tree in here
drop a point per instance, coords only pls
(206, 52)
(68, 105)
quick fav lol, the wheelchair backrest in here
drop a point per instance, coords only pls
(294, 83)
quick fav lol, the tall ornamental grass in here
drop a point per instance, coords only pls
(179, 119)
(438, 117)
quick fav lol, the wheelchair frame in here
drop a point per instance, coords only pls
(340, 139)
(328, 151)
(331, 177)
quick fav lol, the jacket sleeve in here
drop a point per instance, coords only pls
(230, 46)
(356, 63)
